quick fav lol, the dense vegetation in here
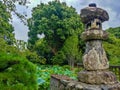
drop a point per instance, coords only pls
(112, 46)
(6, 29)
(16, 72)
(45, 71)
(61, 27)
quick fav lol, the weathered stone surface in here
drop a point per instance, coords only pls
(114, 87)
(84, 86)
(64, 82)
(94, 35)
(62, 87)
(59, 82)
(89, 13)
(70, 86)
(95, 58)
(77, 85)
(97, 77)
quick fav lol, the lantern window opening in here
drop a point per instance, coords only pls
(88, 25)
(98, 24)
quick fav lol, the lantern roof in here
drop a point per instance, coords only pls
(91, 12)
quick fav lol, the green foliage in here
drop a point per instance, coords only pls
(11, 7)
(44, 73)
(59, 58)
(21, 45)
(16, 73)
(43, 50)
(34, 58)
(6, 28)
(112, 46)
(115, 31)
(71, 46)
(5, 15)
(70, 53)
(57, 22)
(71, 50)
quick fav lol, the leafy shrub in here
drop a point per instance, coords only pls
(112, 46)
(17, 73)
(34, 58)
(59, 58)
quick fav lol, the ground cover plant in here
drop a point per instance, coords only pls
(45, 71)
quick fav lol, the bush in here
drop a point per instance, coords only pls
(34, 58)
(17, 73)
(59, 58)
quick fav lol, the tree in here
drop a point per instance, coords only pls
(43, 50)
(21, 45)
(71, 50)
(16, 72)
(57, 22)
(6, 29)
(11, 7)
(112, 46)
(114, 31)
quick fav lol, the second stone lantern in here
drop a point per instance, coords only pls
(95, 60)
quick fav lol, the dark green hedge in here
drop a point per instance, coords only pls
(17, 73)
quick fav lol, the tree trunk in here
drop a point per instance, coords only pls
(71, 62)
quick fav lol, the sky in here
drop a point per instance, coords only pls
(111, 6)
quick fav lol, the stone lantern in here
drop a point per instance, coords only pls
(95, 56)
(95, 60)
(96, 74)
